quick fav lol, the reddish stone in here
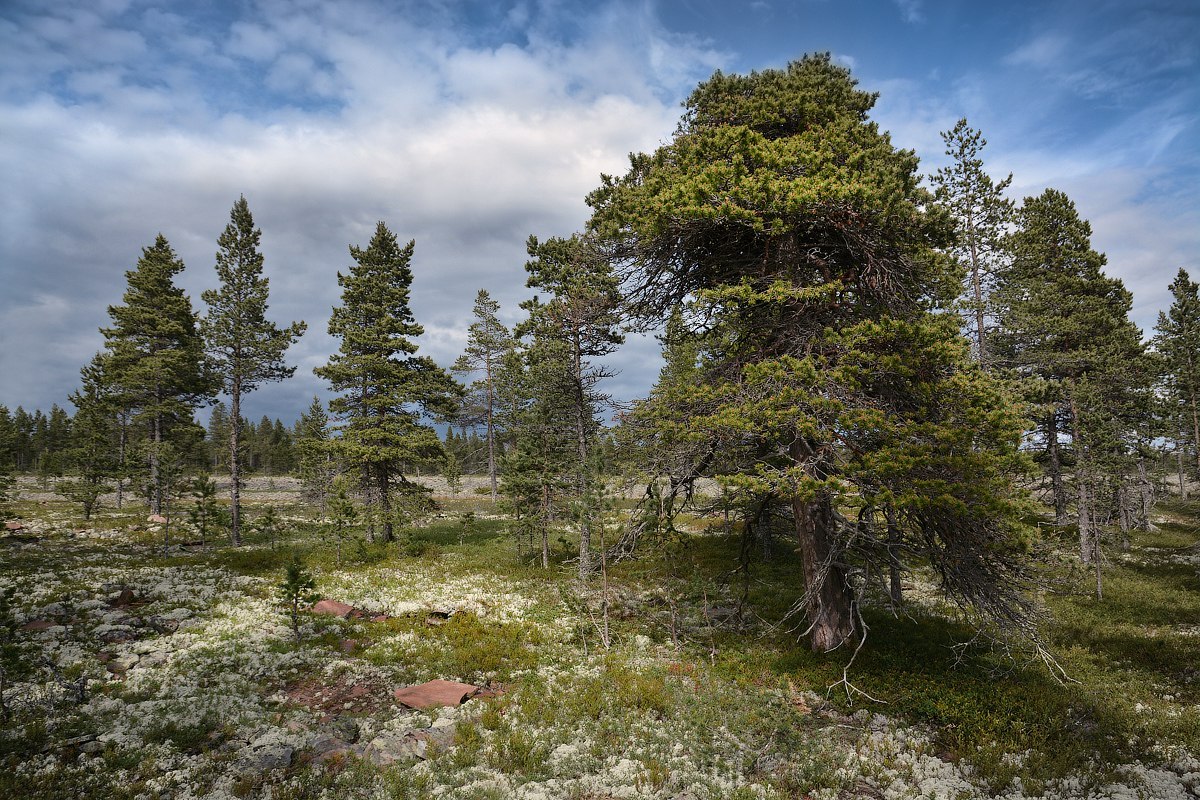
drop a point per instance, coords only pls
(13, 526)
(157, 519)
(125, 598)
(380, 618)
(38, 625)
(333, 608)
(436, 693)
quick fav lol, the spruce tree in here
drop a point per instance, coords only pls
(245, 348)
(487, 341)
(1064, 326)
(1177, 339)
(577, 324)
(384, 388)
(155, 364)
(93, 455)
(796, 239)
(314, 456)
(980, 212)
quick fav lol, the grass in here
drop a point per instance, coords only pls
(733, 695)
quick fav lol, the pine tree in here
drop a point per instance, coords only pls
(487, 341)
(385, 387)
(1177, 339)
(155, 364)
(1064, 325)
(244, 347)
(796, 239)
(578, 324)
(980, 213)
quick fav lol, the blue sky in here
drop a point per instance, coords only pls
(468, 126)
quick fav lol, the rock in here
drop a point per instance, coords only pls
(436, 693)
(122, 664)
(345, 729)
(333, 608)
(265, 753)
(157, 519)
(392, 747)
(350, 645)
(125, 598)
(177, 614)
(14, 527)
(92, 748)
(39, 625)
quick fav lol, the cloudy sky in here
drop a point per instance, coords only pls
(470, 125)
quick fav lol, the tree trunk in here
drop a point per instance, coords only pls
(828, 606)
(385, 504)
(1086, 546)
(491, 431)
(155, 485)
(977, 286)
(545, 526)
(1195, 429)
(235, 471)
(1056, 477)
(895, 590)
(585, 525)
(1146, 493)
(1183, 492)
(123, 435)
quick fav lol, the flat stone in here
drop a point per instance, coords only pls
(125, 598)
(39, 625)
(391, 747)
(333, 608)
(436, 693)
(13, 526)
(157, 519)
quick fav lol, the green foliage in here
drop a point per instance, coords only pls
(343, 516)
(488, 341)
(980, 212)
(385, 387)
(794, 251)
(298, 589)
(243, 347)
(15, 653)
(206, 514)
(154, 366)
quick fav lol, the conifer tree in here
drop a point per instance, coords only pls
(487, 341)
(155, 362)
(314, 456)
(795, 238)
(578, 324)
(385, 388)
(1177, 339)
(92, 456)
(980, 212)
(1065, 324)
(244, 347)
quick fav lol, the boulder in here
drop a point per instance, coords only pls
(14, 526)
(157, 519)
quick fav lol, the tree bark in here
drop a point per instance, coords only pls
(1056, 477)
(235, 471)
(830, 616)
(895, 590)
(491, 430)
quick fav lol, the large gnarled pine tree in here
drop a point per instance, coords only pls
(795, 244)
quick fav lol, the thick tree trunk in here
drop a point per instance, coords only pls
(235, 470)
(1055, 465)
(545, 526)
(830, 616)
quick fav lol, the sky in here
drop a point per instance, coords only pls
(468, 126)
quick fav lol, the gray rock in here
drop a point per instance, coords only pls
(345, 729)
(121, 664)
(391, 747)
